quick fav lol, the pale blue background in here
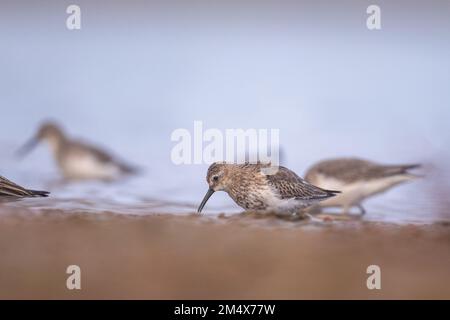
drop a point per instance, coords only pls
(137, 71)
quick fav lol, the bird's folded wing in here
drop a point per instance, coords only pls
(290, 185)
(9, 188)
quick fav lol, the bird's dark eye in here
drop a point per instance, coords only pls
(216, 178)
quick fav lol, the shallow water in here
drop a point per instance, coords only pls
(136, 196)
(131, 77)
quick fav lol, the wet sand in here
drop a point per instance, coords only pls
(238, 257)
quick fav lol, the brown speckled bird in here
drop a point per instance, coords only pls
(9, 189)
(358, 179)
(262, 187)
(77, 160)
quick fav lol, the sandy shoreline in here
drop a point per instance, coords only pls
(186, 257)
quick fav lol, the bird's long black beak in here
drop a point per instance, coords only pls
(27, 147)
(205, 199)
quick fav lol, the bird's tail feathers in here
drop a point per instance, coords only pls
(38, 193)
(401, 169)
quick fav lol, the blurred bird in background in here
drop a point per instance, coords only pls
(77, 160)
(357, 179)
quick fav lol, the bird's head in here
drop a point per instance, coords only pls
(217, 179)
(49, 132)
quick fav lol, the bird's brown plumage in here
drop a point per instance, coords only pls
(351, 170)
(10, 189)
(78, 159)
(290, 185)
(259, 186)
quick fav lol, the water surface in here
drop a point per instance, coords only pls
(134, 74)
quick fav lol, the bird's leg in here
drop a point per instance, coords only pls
(361, 208)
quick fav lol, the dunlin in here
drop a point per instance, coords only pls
(10, 189)
(257, 187)
(77, 160)
(357, 179)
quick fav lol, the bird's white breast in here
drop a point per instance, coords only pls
(355, 192)
(87, 166)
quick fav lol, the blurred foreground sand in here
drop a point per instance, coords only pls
(173, 257)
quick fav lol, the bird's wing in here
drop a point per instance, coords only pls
(100, 154)
(104, 156)
(9, 188)
(343, 169)
(353, 169)
(290, 185)
(392, 170)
